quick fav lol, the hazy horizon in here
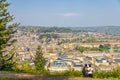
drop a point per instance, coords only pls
(66, 13)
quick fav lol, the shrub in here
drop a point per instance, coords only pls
(68, 73)
(108, 74)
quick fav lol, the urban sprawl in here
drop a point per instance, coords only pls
(67, 50)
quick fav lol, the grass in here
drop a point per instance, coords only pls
(112, 75)
(67, 73)
(6, 78)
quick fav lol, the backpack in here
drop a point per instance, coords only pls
(84, 70)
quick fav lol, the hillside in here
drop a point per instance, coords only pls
(102, 29)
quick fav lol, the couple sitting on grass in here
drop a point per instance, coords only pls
(87, 71)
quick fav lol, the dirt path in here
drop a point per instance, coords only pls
(38, 77)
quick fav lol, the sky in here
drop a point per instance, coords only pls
(66, 13)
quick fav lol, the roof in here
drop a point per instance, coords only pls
(78, 64)
(58, 63)
(117, 60)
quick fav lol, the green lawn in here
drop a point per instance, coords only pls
(6, 78)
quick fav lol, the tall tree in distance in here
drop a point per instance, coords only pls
(5, 34)
(39, 60)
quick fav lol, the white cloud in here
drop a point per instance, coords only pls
(69, 14)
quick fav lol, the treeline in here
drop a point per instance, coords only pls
(101, 29)
(105, 48)
(38, 29)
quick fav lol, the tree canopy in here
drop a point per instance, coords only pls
(39, 60)
(5, 34)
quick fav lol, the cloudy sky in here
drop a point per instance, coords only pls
(66, 12)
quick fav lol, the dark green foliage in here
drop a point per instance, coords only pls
(101, 48)
(82, 49)
(39, 29)
(107, 74)
(6, 78)
(67, 73)
(56, 29)
(104, 47)
(39, 60)
(5, 34)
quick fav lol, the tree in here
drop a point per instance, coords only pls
(81, 49)
(5, 34)
(39, 60)
(104, 48)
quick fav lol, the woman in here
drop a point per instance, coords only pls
(90, 71)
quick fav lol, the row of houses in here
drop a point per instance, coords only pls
(25, 45)
(63, 62)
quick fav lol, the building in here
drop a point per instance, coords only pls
(58, 66)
